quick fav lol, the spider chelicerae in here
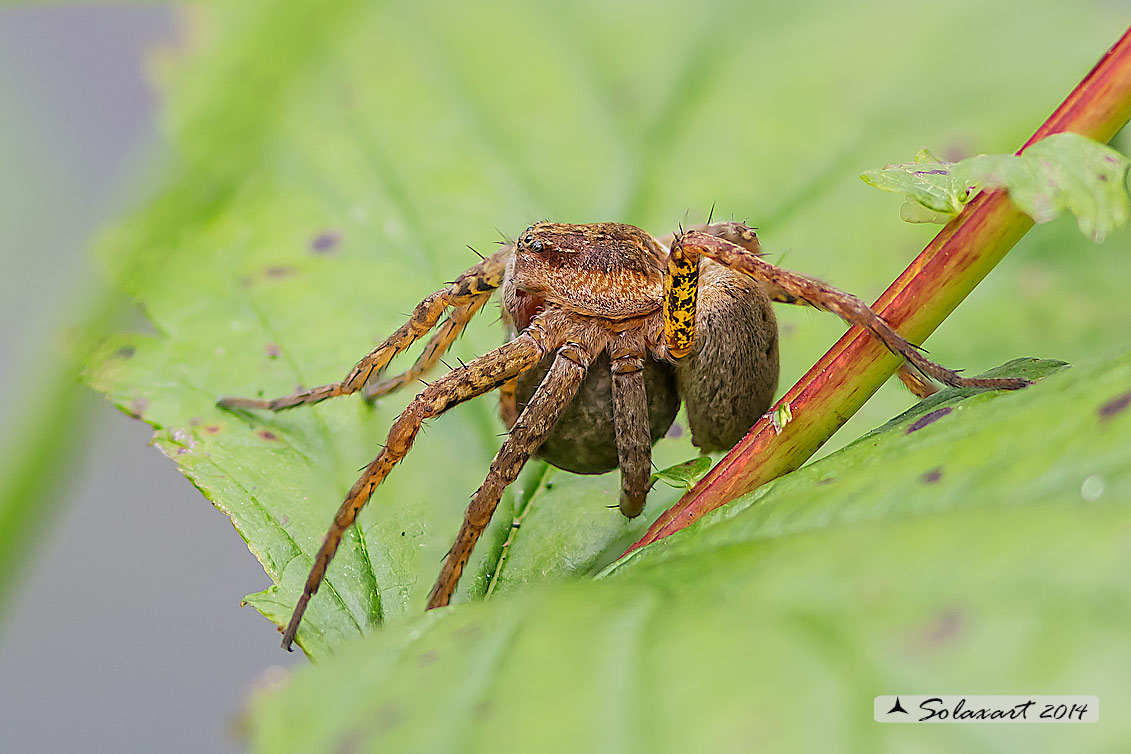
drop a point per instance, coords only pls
(610, 330)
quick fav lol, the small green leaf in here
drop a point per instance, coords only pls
(927, 182)
(1065, 172)
(684, 475)
(783, 415)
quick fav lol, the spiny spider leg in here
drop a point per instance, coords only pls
(630, 417)
(479, 376)
(477, 283)
(436, 347)
(679, 304)
(735, 232)
(743, 235)
(554, 393)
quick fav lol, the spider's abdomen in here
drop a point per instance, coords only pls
(729, 378)
(584, 439)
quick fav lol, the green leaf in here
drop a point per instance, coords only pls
(978, 547)
(1065, 172)
(926, 181)
(684, 475)
(332, 161)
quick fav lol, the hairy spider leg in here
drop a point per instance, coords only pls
(679, 326)
(630, 417)
(744, 236)
(477, 283)
(435, 349)
(479, 376)
(554, 393)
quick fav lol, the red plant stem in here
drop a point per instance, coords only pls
(931, 287)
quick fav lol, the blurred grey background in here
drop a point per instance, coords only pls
(95, 653)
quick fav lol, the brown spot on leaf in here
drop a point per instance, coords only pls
(468, 633)
(267, 435)
(195, 421)
(325, 242)
(1116, 405)
(827, 480)
(279, 272)
(932, 476)
(212, 429)
(272, 350)
(945, 626)
(388, 715)
(125, 352)
(923, 421)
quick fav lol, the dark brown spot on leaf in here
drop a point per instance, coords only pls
(325, 242)
(932, 476)
(212, 429)
(125, 352)
(827, 480)
(267, 435)
(923, 421)
(272, 350)
(1116, 405)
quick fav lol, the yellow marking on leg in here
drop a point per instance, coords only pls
(681, 288)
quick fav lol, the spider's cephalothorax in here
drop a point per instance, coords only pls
(611, 329)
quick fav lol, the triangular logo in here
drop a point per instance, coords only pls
(898, 708)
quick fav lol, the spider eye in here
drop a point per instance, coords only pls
(529, 239)
(536, 246)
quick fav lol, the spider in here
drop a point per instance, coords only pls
(610, 330)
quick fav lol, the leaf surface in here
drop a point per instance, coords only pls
(974, 547)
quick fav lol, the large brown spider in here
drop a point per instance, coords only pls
(611, 297)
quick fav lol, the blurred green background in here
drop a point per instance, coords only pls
(405, 132)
